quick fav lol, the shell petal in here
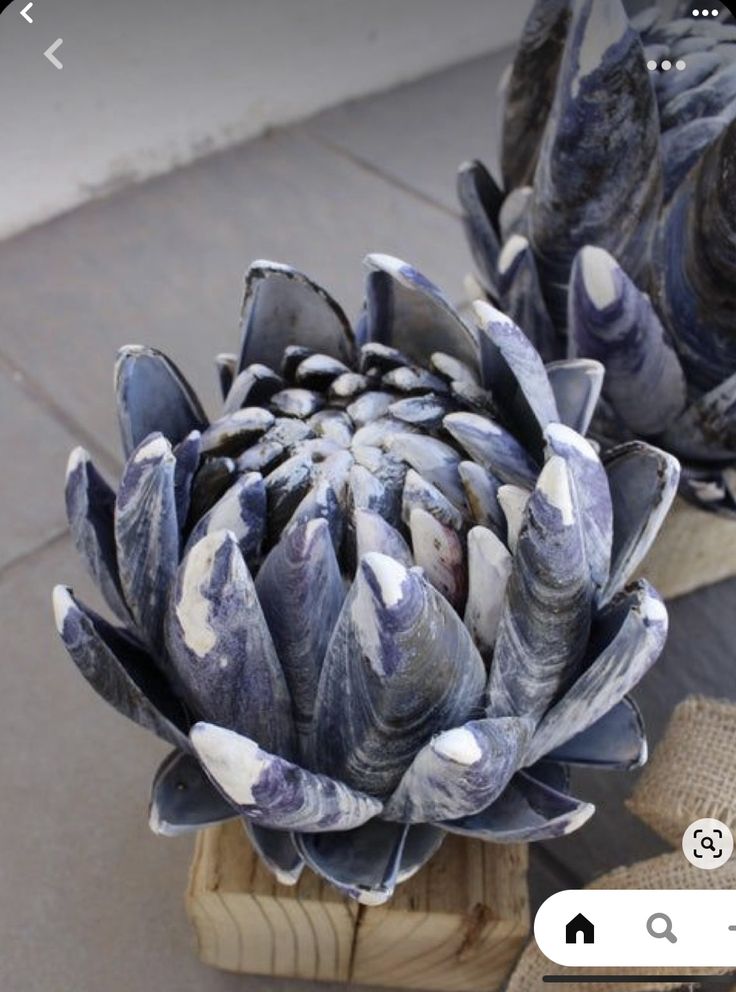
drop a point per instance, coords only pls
(598, 177)
(90, 510)
(221, 648)
(187, 454)
(407, 311)
(211, 481)
(368, 407)
(226, 365)
(271, 791)
(318, 371)
(256, 384)
(577, 384)
(520, 297)
(696, 293)
(439, 552)
(513, 501)
(301, 592)
(481, 491)
(527, 811)
(320, 503)
(612, 321)
(364, 864)
(333, 425)
(707, 430)
(232, 434)
(546, 617)
(283, 307)
(183, 799)
(531, 89)
(480, 199)
(424, 411)
(277, 851)
(119, 670)
(460, 772)
(147, 535)
(683, 146)
(513, 370)
(242, 511)
(153, 395)
(286, 487)
(420, 845)
(615, 741)
(627, 638)
(493, 447)
(434, 460)
(418, 493)
(592, 494)
(373, 533)
(489, 569)
(400, 667)
(643, 483)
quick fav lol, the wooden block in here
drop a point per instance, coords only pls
(694, 549)
(458, 925)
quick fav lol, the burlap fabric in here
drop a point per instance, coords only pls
(692, 774)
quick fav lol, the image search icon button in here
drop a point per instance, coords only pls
(659, 926)
(707, 844)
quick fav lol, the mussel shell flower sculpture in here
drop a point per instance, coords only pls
(384, 595)
(614, 235)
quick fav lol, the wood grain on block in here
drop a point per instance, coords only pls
(459, 924)
(694, 549)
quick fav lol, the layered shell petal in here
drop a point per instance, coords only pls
(460, 772)
(153, 395)
(400, 668)
(221, 648)
(626, 640)
(119, 670)
(545, 622)
(612, 321)
(284, 307)
(273, 792)
(528, 810)
(147, 535)
(301, 592)
(183, 799)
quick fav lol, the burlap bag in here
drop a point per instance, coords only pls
(691, 775)
(692, 772)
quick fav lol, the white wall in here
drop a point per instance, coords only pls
(149, 84)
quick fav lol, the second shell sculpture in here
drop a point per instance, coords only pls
(384, 595)
(614, 236)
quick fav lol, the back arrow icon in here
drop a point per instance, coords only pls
(24, 13)
(49, 53)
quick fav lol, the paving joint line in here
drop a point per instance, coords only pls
(39, 395)
(375, 170)
(25, 557)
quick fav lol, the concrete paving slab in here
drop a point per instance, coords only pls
(419, 134)
(35, 449)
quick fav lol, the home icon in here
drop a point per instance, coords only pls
(580, 925)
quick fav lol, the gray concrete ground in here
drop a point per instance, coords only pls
(89, 899)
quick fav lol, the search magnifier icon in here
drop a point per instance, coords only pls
(663, 927)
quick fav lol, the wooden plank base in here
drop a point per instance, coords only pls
(694, 549)
(458, 925)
